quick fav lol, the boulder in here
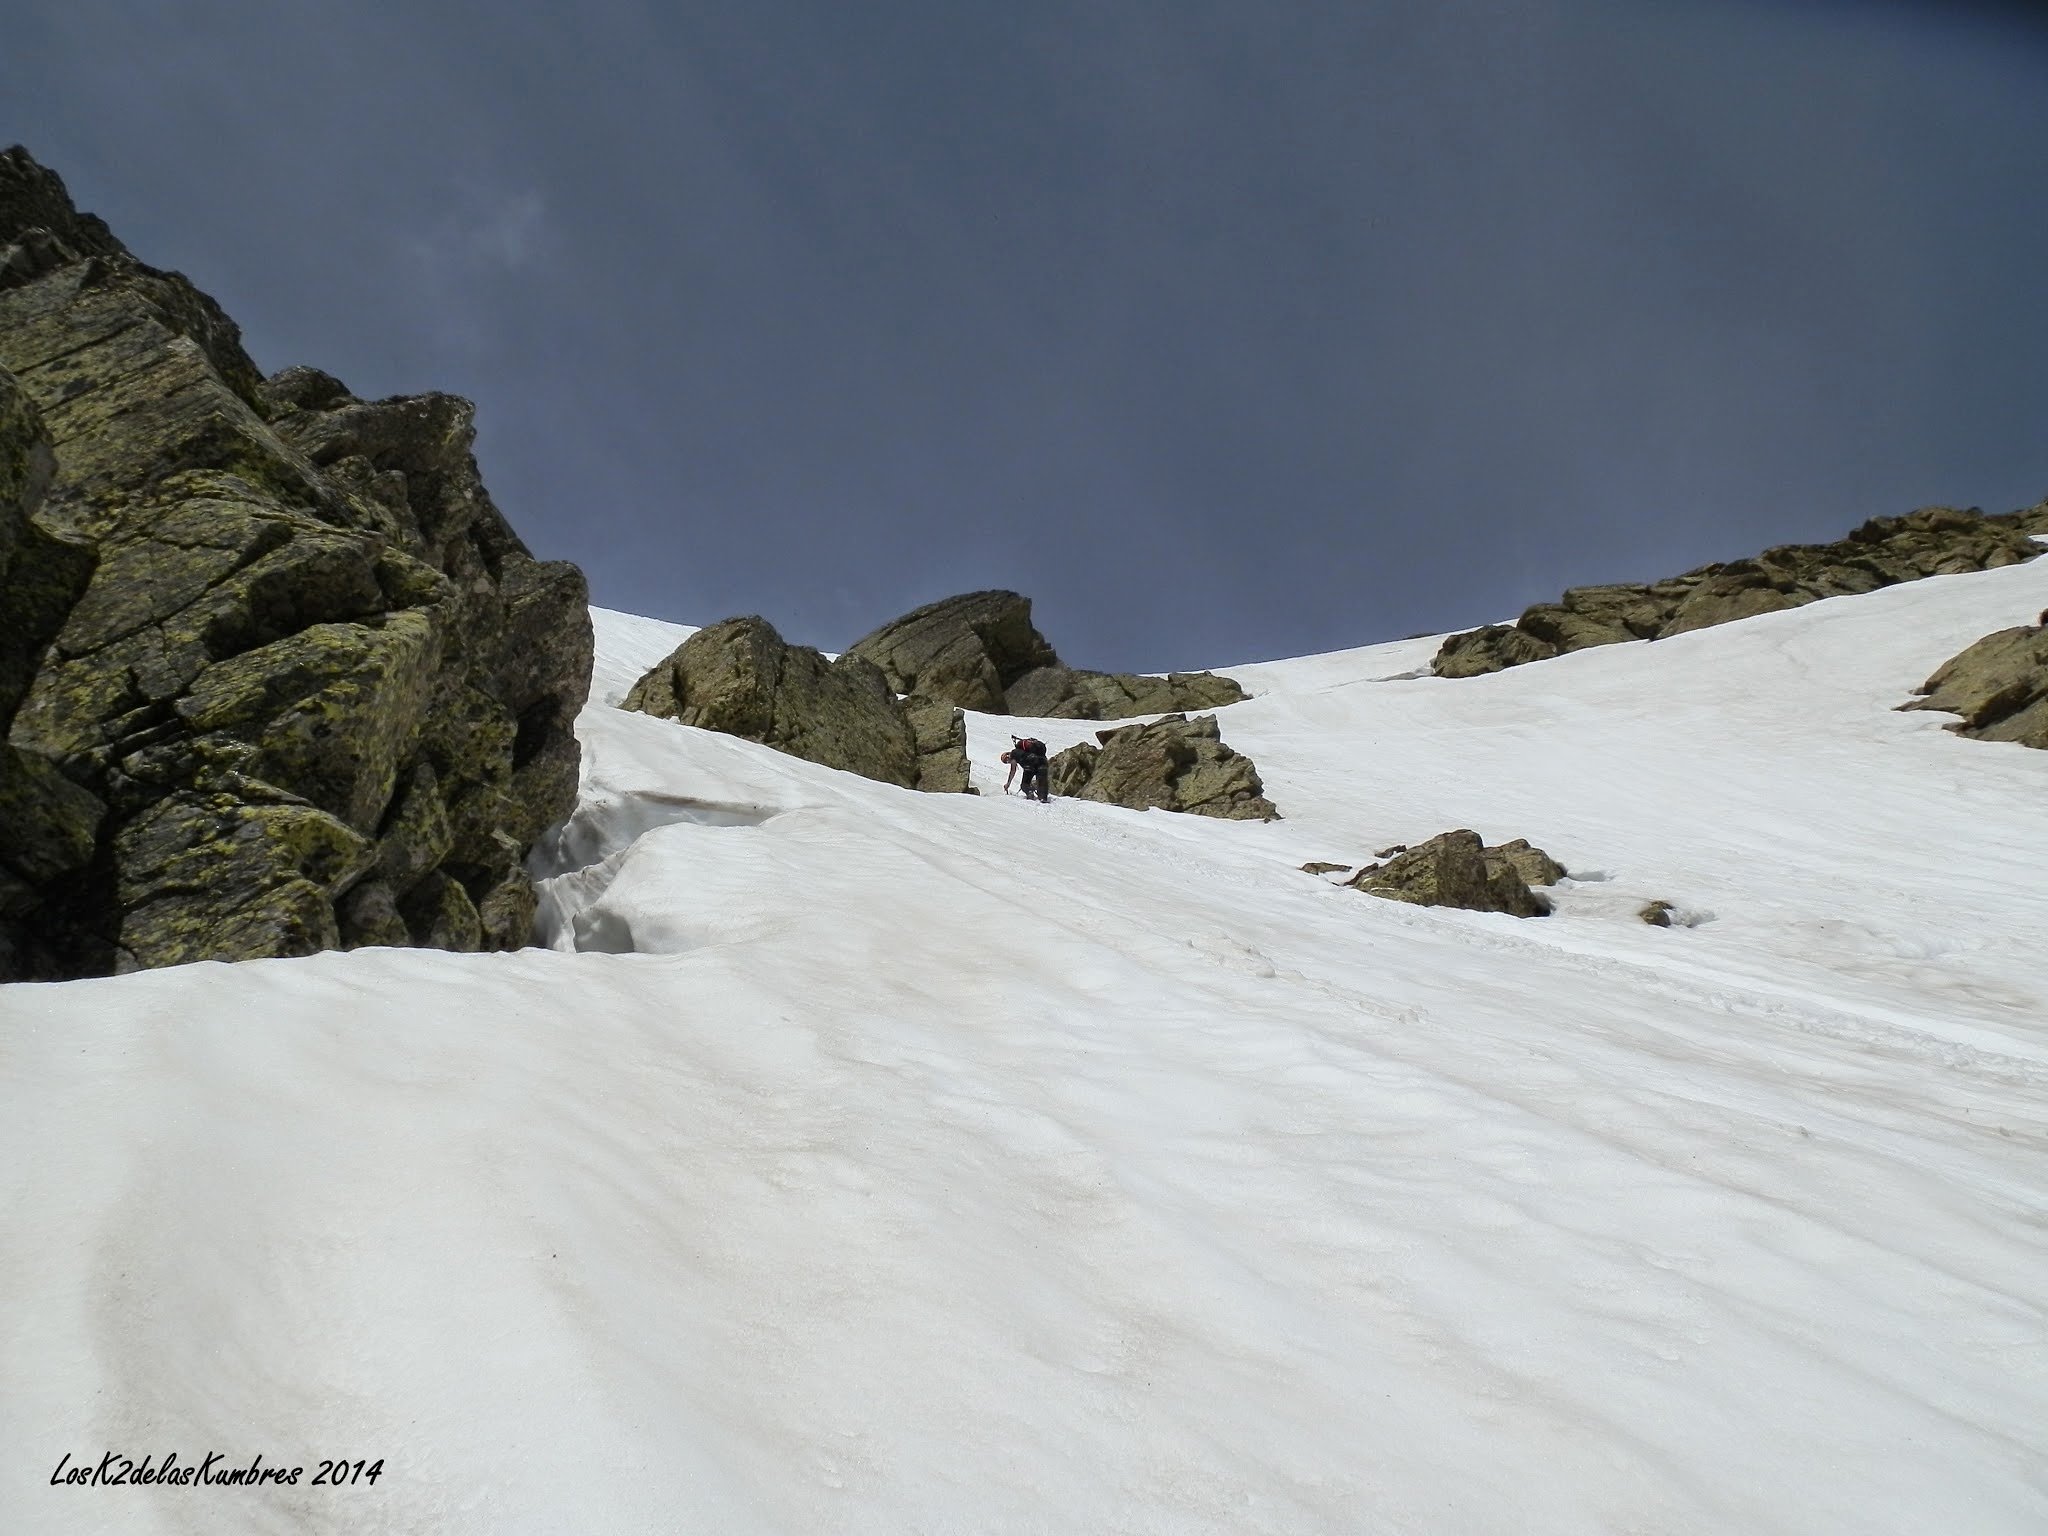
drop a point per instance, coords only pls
(744, 679)
(251, 618)
(1999, 686)
(1933, 541)
(1490, 649)
(1531, 864)
(940, 731)
(1174, 764)
(1454, 869)
(1068, 693)
(964, 650)
(979, 651)
(1657, 913)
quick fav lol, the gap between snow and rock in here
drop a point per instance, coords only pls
(575, 864)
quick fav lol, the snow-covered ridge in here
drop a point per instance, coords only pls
(887, 1162)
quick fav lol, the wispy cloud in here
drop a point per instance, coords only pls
(456, 267)
(505, 232)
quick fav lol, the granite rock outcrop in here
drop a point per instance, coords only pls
(1999, 686)
(965, 650)
(284, 678)
(1172, 764)
(1455, 869)
(940, 731)
(1933, 541)
(741, 677)
(981, 651)
(1070, 693)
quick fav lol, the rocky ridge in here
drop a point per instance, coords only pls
(277, 675)
(1933, 541)
(891, 707)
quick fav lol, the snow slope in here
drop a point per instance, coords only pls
(861, 1161)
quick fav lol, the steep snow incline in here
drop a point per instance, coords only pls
(891, 1163)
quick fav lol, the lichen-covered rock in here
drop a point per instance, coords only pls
(1068, 693)
(744, 679)
(1530, 863)
(941, 735)
(965, 650)
(1933, 541)
(979, 651)
(223, 876)
(1479, 651)
(439, 914)
(1454, 869)
(48, 825)
(1174, 764)
(1741, 589)
(1999, 686)
(41, 575)
(283, 606)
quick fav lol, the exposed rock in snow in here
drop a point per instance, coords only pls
(981, 651)
(299, 600)
(1067, 693)
(965, 650)
(1173, 764)
(741, 677)
(1454, 869)
(941, 737)
(1933, 541)
(1999, 686)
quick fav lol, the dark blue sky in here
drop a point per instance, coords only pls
(1226, 331)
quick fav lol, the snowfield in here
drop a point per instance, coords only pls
(862, 1161)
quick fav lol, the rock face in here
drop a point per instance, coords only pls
(965, 650)
(48, 825)
(980, 651)
(1454, 869)
(941, 734)
(277, 675)
(1174, 764)
(743, 678)
(1934, 541)
(1999, 686)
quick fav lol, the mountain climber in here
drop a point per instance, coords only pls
(1028, 753)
